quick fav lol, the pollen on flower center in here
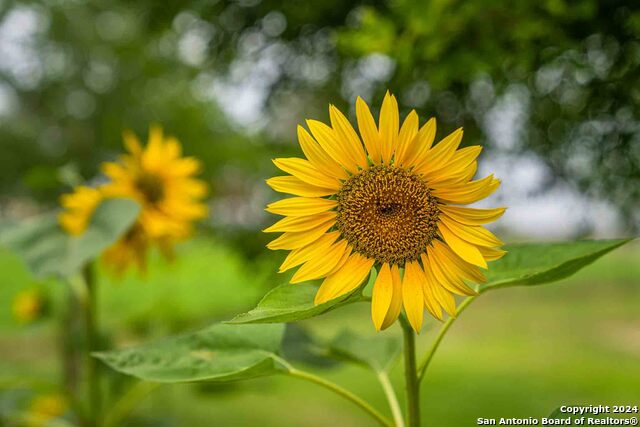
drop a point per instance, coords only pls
(151, 187)
(387, 213)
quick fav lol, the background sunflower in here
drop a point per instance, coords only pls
(161, 181)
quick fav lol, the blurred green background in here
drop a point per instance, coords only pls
(550, 88)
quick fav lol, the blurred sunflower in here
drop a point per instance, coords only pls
(162, 181)
(389, 200)
(29, 305)
(45, 408)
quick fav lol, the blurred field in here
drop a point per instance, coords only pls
(515, 352)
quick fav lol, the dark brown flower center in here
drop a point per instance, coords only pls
(151, 187)
(388, 214)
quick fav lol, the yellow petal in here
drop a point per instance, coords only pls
(368, 130)
(465, 250)
(460, 266)
(381, 296)
(318, 157)
(115, 171)
(421, 143)
(460, 178)
(343, 260)
(430, 300)
(477, 235)
(443, 274)
(152, 157)
(297, 187)
(389, 127)
(471, 216)
(346, 279)
(445, 299)
(466, 193)
(412, 294)
(312, 250)
(456, 166)
(408, 132)
(441, 153)
(348, 137)
(327, 140)
(491, 254)
(305, 171)
(131, 142)
(322, 265)
(295, 240)
(396, 300)
(172, 148)
(301, 206)
(300, 223)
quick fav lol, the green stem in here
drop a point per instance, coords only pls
(91, 337)
(443, 330)
(391, 398)
(410, 374)
(123, 407)
(68, 351)
(381, 419)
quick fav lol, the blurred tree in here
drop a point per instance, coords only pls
(572, 67)
(73, 74)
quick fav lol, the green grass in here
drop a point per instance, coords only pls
(514, 353)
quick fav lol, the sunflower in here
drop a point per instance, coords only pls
(79, 207)
(45, 408)
(29, 305)
(388, 199)
(161, 181)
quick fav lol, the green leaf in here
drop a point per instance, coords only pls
(300, 345)
(528, 264)
(377, 352)
(218, 353)
(48, 251)
(289, 303)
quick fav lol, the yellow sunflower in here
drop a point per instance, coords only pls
(45, 408)
(157, 177)
(28, 306)
(387, 198)
(162, 181)
(79, 207)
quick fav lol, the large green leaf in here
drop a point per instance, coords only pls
(218, 353)
(529, 264)
(377, 352)
(48, 251)
(289, 303)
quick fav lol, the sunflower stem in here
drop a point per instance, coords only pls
(119, 411)
(91, 340)
(381, 419)
(383, 378)
(436, 343)
(411, 374)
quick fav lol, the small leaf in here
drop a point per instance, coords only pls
(288, 303)
(48, 251)
(377, 352)
(528, 264)
(217, 353)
